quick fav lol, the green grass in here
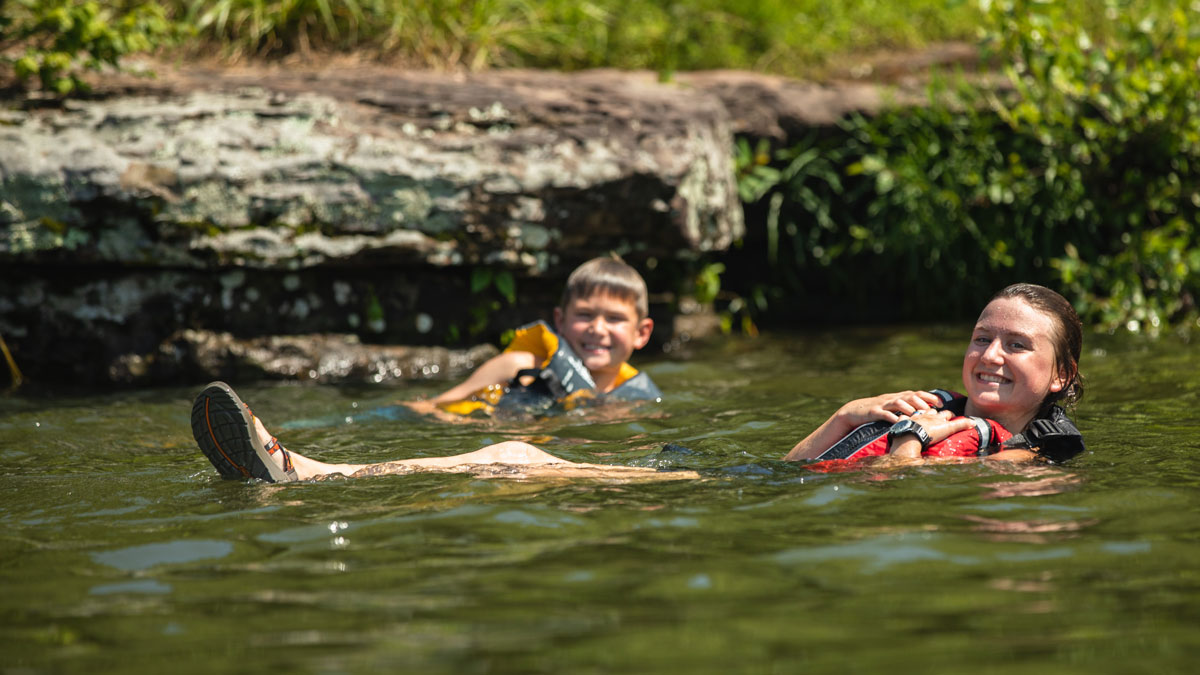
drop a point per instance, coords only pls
(798, 38)
(791, 37)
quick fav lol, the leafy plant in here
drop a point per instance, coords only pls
(1122, 122)
(501, 280)
(63, 38)
(485, 306)
(1083, 173)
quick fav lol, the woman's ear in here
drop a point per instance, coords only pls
(1062, 379)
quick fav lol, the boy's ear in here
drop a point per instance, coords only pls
(644, 328)
(558, 316)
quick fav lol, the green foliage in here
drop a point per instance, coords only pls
(708, 282)
(1085, 174)
(62, 38)
(286, 26)
(791, 37)
(376, 319)
(755, 176)
(501, 280)
(484, 306)
(1123, 120)
(785, 36)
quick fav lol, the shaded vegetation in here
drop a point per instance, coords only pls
(1084, 175)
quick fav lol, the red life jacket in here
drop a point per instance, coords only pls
(871, 439)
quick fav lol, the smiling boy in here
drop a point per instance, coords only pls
(600, 321)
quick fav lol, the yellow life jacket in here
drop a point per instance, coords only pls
(560, 378)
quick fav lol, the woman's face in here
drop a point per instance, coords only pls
(1009, 367)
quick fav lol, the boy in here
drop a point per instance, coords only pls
(601, 320)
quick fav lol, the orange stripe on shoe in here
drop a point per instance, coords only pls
(221, 450)
(273, 447)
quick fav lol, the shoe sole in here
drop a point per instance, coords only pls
(224, 430)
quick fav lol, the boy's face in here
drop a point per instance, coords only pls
(604, 330)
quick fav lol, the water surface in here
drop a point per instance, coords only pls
(122, 551)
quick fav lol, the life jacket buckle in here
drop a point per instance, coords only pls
(1043, 428)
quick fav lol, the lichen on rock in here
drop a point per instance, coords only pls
(377, 191)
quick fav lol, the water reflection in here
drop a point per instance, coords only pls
(1046, 481)
(1028, 531)
(138, 558)
(127, 543)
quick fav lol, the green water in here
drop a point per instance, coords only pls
(121, 550)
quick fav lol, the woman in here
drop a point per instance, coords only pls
(1022, 360)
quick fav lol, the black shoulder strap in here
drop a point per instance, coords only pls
(856, 439)
(1053, 436)
(865, 433)
(946, 395)
(950, 401)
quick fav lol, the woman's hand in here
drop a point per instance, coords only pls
(941, 424)
(887, 407)
(938, 424)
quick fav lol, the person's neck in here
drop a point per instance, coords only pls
(605, 380)
(1015, 423)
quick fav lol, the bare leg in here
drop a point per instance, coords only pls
(513, 459)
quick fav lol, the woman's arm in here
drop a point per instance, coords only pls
(887, 407)
(938, 426)
(907, 449)
(1012, 456)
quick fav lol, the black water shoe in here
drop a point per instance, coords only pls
(224, 429)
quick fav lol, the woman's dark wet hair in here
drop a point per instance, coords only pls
(1068, 337)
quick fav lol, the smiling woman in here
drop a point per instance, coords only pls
(1022, 360)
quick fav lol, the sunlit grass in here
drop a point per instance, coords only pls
(790, 37)
(782, 36)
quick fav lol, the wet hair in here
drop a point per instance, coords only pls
(1067, 337)
(609, 276)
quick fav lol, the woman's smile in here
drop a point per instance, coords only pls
(1009, 368)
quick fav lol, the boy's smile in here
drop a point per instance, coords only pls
(604, 330)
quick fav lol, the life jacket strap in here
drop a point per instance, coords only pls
(985, 435)
(946, 396)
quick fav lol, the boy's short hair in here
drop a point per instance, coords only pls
(611, 276)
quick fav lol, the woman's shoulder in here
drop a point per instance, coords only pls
(1052, 435)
